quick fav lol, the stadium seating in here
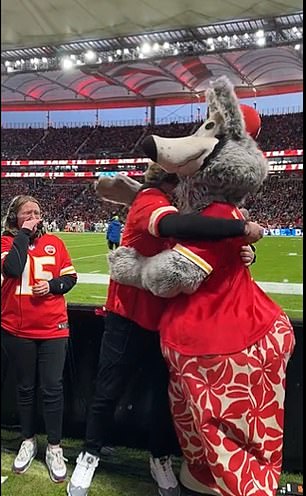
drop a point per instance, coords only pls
(62, 202)
(279, 132)
(278, 203)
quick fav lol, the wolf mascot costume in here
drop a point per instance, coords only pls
(226, 343)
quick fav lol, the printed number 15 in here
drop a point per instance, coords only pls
(38, 273)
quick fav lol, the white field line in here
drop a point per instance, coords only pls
(269, 287)
(292, 310)
(78, 245)
(88, 232)
(89, 256)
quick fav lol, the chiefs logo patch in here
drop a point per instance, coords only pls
(50, 249)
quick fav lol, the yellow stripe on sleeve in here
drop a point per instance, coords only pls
(193, 258)
(155, 216)
(68, 270)
(235, 215)
(4, 254)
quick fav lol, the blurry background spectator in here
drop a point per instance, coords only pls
(73, 205)
(279, 132)
(278, 203)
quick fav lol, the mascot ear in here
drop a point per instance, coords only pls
(225, 99)
(118, 189)
(211, 101)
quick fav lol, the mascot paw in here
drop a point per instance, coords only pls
(125, 266)
(122, 251)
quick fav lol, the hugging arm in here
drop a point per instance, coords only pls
(198, 227)
(166, 274)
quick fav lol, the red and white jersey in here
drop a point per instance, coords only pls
(141, 232)
(229, 312)
(26, 315)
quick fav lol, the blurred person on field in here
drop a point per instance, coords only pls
(113, 233)
(36, 272)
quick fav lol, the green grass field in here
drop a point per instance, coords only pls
(279, 260)
(125, 473)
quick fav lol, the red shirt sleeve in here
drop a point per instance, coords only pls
(152, 205)
(6, 245)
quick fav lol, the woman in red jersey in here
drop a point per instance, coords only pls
(131, 323)
(36, 273)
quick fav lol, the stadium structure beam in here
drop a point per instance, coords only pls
(298, 55)
(42, 75)
(21, 93)
(233, 67)
(217, 38)
(174, 77)
(116, 82)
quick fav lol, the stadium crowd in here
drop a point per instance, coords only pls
(63, 203)
(279, 132)
(67, 203)
(278, 203)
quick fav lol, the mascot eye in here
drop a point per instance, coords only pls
(210, 125)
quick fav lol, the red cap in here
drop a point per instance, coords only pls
(252, 120)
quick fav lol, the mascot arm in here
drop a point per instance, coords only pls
(166, 274)
(125, 266)
(170, 273)
(118, 189)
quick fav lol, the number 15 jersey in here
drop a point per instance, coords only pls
(24, 314)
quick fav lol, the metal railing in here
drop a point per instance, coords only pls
(140, 122)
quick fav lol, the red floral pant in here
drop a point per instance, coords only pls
(229, 411)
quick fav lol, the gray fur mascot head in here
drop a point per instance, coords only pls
(221, 161)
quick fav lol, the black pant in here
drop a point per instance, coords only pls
(124, 345)
(46, 358)
(112, 244)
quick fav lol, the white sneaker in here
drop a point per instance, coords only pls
(55, 462)
(25, 456)
(162, 473)
(82, 475)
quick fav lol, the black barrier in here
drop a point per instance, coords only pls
(130, 423)
(293, 430)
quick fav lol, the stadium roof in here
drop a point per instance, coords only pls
(177, 73)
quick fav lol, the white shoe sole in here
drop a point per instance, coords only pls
(22, 471)
(57, 481)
